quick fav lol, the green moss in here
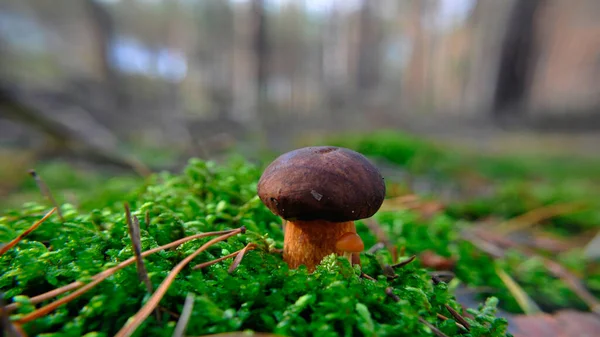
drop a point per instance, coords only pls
(514, 185)
(262, 294)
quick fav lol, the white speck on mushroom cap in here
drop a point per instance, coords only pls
(316, 195)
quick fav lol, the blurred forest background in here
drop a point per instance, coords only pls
(172, 79)
(510, 89)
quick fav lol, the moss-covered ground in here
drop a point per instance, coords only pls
(261, 294)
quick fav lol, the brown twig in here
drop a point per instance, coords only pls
(483, 245)
(134, 234)
(390, 292)
(388, 271)
(16, 240)
(442, 276)
(172, 313)
(404, 263)
(46, 192)
(108, 272)
(186, 313)
(436, 279)
(143, 313)
(147, 219)
(458, 317)
(367, 277)
(574, 283)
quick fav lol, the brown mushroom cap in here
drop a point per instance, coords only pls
(322, 183)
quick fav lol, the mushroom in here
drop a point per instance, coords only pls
(320, 191)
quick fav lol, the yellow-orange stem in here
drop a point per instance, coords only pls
(308, 242)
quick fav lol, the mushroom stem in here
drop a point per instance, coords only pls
(308, 242)
(348, 255)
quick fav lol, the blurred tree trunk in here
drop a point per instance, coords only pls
(104, 34)
(261, 49)
(331, 62)
(223, 94)
(516, 61)
(369, 48)
(490, 21)
(261, 55)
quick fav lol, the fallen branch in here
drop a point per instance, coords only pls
(16, 240)
(143, 313)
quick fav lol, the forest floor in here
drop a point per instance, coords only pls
(513, 216)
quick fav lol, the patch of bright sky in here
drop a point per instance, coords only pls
(133, 57)
(312, 6)
(450, 11)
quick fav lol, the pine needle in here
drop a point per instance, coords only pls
(185, 316)
(458, 317)
(435, 330)
(238, 259)
(535, 216)
(210, 263)
(574, 283)
(110, 271)
(143, 313)
(404, 263)
(11, 244)
(134, 234)
(525, 302)
(46, 192)
(7, 326)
